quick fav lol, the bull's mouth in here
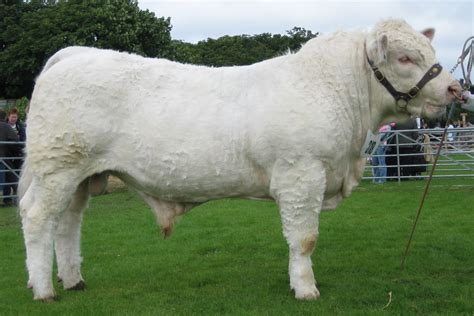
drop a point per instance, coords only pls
(434, 109)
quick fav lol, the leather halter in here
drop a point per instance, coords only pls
(403, 98)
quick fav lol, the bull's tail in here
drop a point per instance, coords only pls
(25, 180)
(51, 61)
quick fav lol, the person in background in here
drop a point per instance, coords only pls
(15, 123)
(419, 122)
(7, 134)
(15, 164)
(378, 160)
(450, 134)
(406, 150)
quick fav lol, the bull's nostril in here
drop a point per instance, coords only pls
(455, 90)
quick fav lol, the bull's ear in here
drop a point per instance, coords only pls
(430, 32)
(377, 49)
(383, 44)
(381, 51)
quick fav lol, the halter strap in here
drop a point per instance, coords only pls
(403, 98)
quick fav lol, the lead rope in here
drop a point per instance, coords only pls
(467, 83)
(422, 202)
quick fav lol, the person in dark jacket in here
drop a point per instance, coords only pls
(12, 177)
(7, 134)
(15, 123)
(409, 151)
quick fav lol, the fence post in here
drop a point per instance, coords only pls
(398, 158)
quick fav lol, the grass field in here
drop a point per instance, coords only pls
(229, 257)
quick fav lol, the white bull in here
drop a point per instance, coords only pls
(288, 129)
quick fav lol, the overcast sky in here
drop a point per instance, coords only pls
(195, 20)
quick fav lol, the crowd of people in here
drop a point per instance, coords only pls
(12, 133)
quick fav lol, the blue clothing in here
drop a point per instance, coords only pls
(378, 162)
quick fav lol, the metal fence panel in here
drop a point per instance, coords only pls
(410, 158)
(10, 169)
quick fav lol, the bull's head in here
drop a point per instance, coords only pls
(406, 60)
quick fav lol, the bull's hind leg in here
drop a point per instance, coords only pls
(40, 208)
(67, 240)
(299, 189)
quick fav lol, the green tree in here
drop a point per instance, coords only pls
(33, 31)
(298, 36)
(183, 52)
(240, 49)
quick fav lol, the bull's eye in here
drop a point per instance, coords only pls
(405, 60)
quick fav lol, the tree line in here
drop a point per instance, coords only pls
(32, 31)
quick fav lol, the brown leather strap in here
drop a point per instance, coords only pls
(403, 98)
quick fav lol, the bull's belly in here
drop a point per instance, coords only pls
(198, 187)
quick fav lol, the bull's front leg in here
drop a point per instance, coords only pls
(298, 188)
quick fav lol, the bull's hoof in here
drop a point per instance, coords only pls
(80, 286)
(307, 295)
(48, 299)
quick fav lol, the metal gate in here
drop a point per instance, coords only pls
(10, 168)
(409, 154)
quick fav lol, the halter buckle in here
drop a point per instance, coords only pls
(413, 92)
(379, 75)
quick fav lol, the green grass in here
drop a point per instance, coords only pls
(229, 257)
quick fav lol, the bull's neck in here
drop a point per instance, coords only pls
(346, 77)
(359, 96)
(381, 103)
